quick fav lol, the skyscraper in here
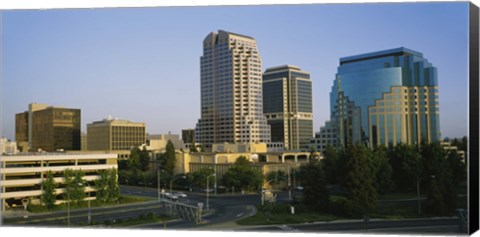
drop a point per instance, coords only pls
(385, 97)
(48, 128)
(287, 104)
(231, 91)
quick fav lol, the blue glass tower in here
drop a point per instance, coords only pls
(385, 97)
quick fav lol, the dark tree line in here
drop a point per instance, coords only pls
(365, 173)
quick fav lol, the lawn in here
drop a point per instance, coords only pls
(282, 215)
(124, 199)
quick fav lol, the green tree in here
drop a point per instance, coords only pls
(101, 186)
(113, 186)
(407, 167)
(380, 166)
(458, 168)
(330, 164)
(74, 185)
(169, 158)
(133, 162)
(49, 195)
(441, 196)
(242, 176)
(199, 177)
(360, 180)
(314, 183)
(107, 188)
(144, 159)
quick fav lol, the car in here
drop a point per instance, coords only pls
(180, 194)
(300, 188)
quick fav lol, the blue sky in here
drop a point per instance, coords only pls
(142, 64)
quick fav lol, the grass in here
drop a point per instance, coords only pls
(398, 196)
(124, 199)
(285, 217)
(142, 219)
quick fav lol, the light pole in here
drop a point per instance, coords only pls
(289, 186)
(418, 197)
(68, 203)
(158, 182)
(89, 207)
(68, 208)
(207, 188)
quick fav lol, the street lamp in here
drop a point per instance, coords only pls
(158, 182)
(207, 188)
(68, 203)
(171, 181)
(89, 207)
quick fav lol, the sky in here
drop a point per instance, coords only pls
(143, 64)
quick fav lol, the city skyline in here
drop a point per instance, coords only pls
(122, 59)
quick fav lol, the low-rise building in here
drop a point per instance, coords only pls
(225, 155)
(22, 175)
(8, 147)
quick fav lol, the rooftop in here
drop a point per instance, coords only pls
(402, 51)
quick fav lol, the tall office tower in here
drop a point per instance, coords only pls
(231, 91)
(386, 97)
(287, 104)
(115, 135)
(48, 128)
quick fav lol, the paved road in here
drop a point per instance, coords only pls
(224, 207)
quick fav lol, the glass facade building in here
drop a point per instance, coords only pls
(385, 97)
(231, 91)
(287, 104)
(48, 128)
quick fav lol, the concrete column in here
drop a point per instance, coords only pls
(283, 158)
(296, 158)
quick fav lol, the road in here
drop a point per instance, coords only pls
(225, 209)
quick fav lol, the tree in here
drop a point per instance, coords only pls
(74, 185)
(458, 168)
(406, 163)
(101, 186)
(382, 170)
(441, 196)
(169, 158)
(107, 188)
(113, 187)
(139, 160)
(133, 162)
(314, 184)
(144, 159)
(360, 180)
(330, 164)
(49, 194)
(242, 176)
(199, 177)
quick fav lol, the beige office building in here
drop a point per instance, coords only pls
(231, 91)
(115, 135)
(21, 176)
